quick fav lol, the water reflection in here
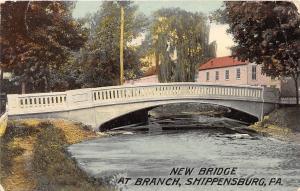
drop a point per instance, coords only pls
(217, 142)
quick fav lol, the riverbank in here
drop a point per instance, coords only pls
(34, 157)
(282, 123)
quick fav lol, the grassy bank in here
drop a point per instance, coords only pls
(283, 123)
(34, 157)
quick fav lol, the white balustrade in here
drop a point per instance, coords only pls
(288, 100)
(81, 98)
(175, 90)
(36, 102)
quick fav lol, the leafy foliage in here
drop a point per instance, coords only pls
(267, 33)
(100, 56)
(37, 39)
(180, 42)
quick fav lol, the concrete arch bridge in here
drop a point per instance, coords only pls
(96, 106)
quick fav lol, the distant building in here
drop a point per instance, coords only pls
(229, 71)
(149, 77)
(144, 80)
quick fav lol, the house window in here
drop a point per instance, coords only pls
(217, 75)
(253, 72)
(238, 73)
(207, 76)
(227, 75)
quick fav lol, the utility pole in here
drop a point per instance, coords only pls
(122, 45)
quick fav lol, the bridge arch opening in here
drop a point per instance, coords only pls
(140, 116)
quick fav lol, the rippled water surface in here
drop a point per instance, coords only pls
(155, 153)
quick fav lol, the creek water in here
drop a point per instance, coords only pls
(215, 143)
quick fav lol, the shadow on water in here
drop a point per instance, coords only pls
(151, 149)
(187, 122)
(178, 113)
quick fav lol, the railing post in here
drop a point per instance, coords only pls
(13, 106)
(79, 97)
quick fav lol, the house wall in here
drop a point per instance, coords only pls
(232, 76)
(288, 87)
(245, 76)
(261, 78)
(145, 80)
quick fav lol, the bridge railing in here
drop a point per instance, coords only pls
(175, 90)
(288, 100)
(24, 103)
(90, 97)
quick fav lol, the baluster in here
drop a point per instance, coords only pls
(132, 92)
(30, 102)
(167, 90)
(137, 92)
(141, 92)
(34, 102)
(105, 95)
(114, 94)
(119, 93)
(97, 96)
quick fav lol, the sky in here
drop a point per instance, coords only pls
(217, 32)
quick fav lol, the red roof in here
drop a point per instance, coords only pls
(221, 62)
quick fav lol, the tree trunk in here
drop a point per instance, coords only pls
(297, 89)
(1, 79)
(46, 88)
(23, 88)
(156, 62)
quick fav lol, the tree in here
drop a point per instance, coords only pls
(180, 43)
(267, 33)
(100, 56)
(36, 40)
